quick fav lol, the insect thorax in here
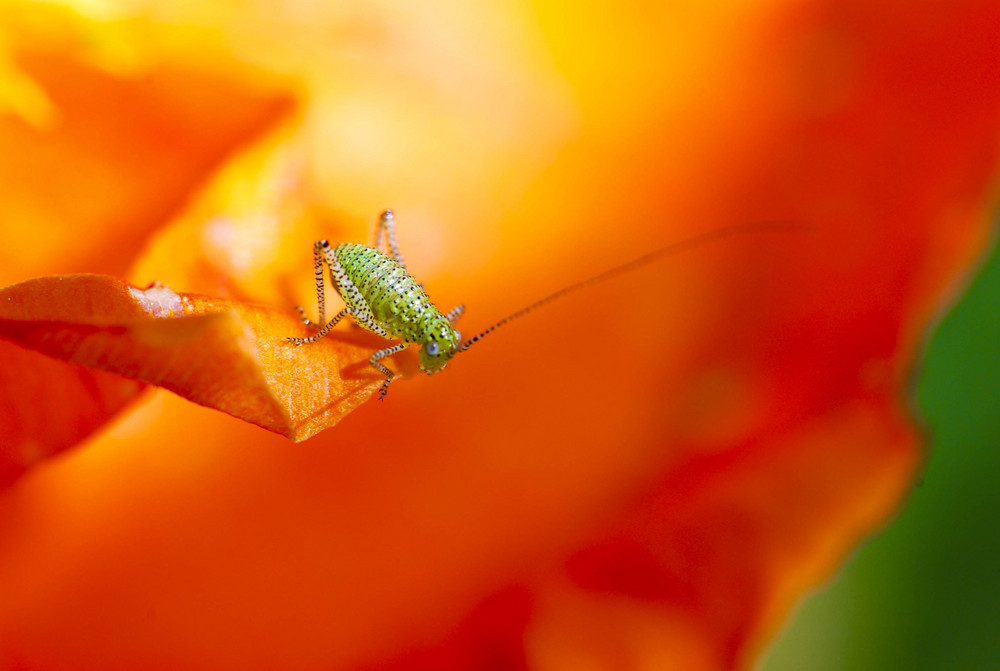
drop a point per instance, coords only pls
(396, 301)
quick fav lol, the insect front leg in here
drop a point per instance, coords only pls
(375, 361)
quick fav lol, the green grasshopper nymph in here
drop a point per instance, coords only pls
(382, 297)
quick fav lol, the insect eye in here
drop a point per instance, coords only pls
(432, 348)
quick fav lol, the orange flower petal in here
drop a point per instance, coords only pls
(225, 355)
(97, 152)
(47, 406)
(99, 156)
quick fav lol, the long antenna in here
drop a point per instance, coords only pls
(670, 250)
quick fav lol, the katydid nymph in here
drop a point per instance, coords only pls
(381, 295)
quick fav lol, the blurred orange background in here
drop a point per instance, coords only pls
(644, 475)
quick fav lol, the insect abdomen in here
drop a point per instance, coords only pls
(397, 302)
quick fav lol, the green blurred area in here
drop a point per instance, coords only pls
(925, 593)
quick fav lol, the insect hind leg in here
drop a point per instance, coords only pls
(387, 224)
(305, 320)
(323, 331)
(357, 307)
(319, 250)
(455, 313)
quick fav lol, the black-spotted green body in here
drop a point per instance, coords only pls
(382, 297)
(396, 302)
